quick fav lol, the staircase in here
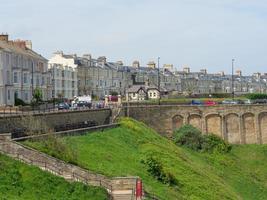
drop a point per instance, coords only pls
(123, 195)
(118, 187)
(116, 111)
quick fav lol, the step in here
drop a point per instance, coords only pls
(122, 195)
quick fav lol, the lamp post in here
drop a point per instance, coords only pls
(233, 91)
(32, 81)
(159, 80)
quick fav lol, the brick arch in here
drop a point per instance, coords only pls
(263, 126)
(249, 128)
(177, 122)
(214, 124)
(232, 124)
(195, 120)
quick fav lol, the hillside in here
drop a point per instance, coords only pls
(240, 174)
(23, 182)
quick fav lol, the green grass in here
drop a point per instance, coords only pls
(184, 100)
(19, 181)
(240, 174)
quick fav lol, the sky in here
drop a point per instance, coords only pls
(194, 33)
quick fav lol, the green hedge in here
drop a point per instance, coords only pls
(255, 96)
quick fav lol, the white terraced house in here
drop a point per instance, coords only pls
(21, 71)
(64, 80)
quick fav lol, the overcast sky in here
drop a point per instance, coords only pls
(195, 33)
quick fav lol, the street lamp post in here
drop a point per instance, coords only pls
(32, 81)
(159, 80)
(233, 91)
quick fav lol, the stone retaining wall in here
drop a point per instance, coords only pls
(237, 124)
(63, 169)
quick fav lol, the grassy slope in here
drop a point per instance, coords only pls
(19, 181)
(242, 174)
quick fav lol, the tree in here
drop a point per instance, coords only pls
(37, 95)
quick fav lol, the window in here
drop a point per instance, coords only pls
(150, 94)
(43, 80)
(26, 96)
(37, 80)
(154, 94)
(25, 78)
(8, 94)
(15, 78)
(8, 77)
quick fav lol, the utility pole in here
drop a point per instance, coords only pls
(233, 91)
(159, 80)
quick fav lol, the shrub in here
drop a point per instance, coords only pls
(214, 144)
(188, 136)
(114, 93)
(192, 138)
(155, 168)
(56, 147)
(255, 96)
(19, 102)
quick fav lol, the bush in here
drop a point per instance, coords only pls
(188, 136)
(155, 168)
(255, 96)
(20, 102)
(192, 138)
(56, 147)
(114, 93)
(214, 144)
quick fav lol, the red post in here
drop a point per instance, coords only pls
(139, 189)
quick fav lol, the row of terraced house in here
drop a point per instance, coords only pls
(22, 70)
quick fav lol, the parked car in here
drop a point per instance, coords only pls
(210, 103)
(260, 101)
(227, 101)
(63, 106)
(83, 104)
(248, 101)
(233, 102)
(100, 105)
(196, 102)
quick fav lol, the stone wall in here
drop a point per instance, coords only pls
(68, 171)
(238, 124)
(53, 119)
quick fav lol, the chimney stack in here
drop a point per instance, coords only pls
(136, 64)
(151, 64)
(4, 37)
(87, 56)
(120, 63)
(238, 72)
(203, 71)
(20, 43)
(186, 70)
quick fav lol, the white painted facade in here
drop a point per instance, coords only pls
(65, 82)
(21, 71)
(153, 93)
(64, 76)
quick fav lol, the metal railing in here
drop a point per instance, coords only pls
(17, 111)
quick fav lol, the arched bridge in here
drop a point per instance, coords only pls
(237, 124)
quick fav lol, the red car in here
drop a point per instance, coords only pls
(210, 103)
